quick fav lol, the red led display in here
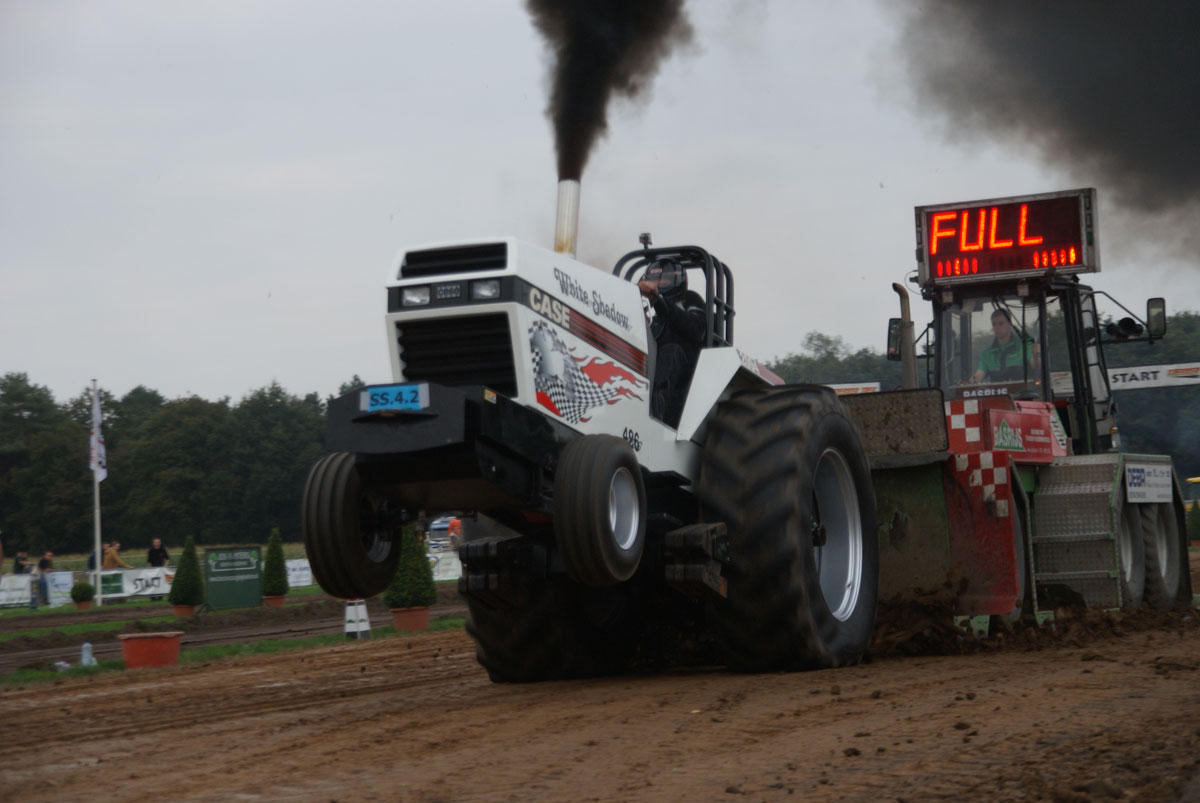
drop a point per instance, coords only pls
(1025, 235)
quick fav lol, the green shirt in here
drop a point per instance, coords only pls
(1004, 362)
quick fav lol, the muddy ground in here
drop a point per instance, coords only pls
(1104, 708)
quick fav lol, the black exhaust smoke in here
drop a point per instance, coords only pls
(601, 48)
(1109, 89)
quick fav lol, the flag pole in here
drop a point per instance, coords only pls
(97, 460)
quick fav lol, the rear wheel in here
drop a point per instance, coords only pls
(1164, 554)
(784, 469)
(561, 631)
(599, 510)
(351, 540)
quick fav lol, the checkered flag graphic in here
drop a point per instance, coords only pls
(558, 376)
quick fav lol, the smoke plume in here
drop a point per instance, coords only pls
(601, 48)
(1106, 89)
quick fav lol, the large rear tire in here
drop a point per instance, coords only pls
(562, 631)
(599, 510)
(1164, 554)
(785, 470)
(351, 543)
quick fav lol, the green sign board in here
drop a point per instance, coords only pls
(112, 584)
(233, 577)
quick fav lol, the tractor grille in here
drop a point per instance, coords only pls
(459, 259)
(471, 350)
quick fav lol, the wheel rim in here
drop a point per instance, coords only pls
(372, 530)
(840, 557)
(623, 513)
(1161, 542)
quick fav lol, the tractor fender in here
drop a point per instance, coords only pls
(719, 372)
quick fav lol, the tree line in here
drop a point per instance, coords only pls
(219, 471)
(226, 472)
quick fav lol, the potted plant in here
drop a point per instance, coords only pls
(274, 578)
(412, 590)
(187, 589)
(82, 594)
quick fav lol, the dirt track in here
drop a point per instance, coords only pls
(416, 719)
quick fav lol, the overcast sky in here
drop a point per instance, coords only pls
(203, 198)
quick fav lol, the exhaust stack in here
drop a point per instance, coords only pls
(566, 225)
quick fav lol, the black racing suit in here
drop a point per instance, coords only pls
(678, 329)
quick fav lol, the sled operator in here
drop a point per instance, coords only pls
(678, 329)
(1003, 360)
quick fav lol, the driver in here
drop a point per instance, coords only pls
(1003, 360)
(679, 327)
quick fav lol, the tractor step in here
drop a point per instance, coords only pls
(695, 556)
(1075, 532)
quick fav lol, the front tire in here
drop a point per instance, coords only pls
(599, 510)
(1132, 557)
(785, 470)
(1164, 554)
(352, 546)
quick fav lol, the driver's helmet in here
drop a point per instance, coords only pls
(670, 277)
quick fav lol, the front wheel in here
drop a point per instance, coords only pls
(599, 510)
(349, 534)
(785, 470)
(1164, 554)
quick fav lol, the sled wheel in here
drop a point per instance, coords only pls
(551, 636)
(1164, 554)
(599, 510)
(785, 470)
(1131, 554)
(346, 532)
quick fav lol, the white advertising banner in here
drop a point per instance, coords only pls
(1148, 482)
(298, 572)
(1175, 375)
(14, 589)
(446, 565)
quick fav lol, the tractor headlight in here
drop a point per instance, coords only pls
(415, 296)
(485, 289)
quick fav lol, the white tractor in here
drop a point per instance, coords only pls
(522, 395)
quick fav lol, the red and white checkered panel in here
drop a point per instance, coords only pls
(964, 425)
(986, 475)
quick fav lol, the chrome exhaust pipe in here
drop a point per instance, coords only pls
(566, 224)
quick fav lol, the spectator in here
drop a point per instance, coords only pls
(20, 562)
(92, 557)
(157, 556)
(44, 566)
(112, 558)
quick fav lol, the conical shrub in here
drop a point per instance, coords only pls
(413, 586)
(274, 579)
(188, 586)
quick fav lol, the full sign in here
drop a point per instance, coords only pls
(1002, 238)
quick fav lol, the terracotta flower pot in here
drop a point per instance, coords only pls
(274, 600)
(411, 618)
(183, 610)
(83, 606)
(150, 649)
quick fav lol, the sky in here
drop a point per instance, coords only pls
(204, 198)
